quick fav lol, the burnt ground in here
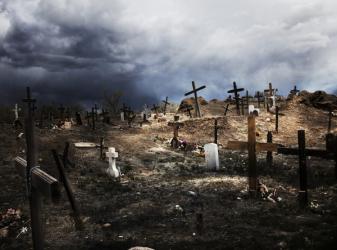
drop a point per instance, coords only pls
(157, 201)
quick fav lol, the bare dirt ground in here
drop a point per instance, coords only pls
(163, 191)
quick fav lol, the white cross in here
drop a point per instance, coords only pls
(16, 111)
(112, 170)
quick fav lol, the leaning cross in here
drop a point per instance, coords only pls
(165, 104)
(194, 91)
(236, 91)
(253, 147)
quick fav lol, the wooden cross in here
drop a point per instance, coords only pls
(236, 91)
(61, 109)
(253, 147)
(78, 119)
(176, 125)
(165, 104)
(195, 92)
(38, 182)
(106, 118)
(329, 153)
(155, 109)
(270, 91)
(294, 91)
(258, 95)
(226, 109)
(88, 118)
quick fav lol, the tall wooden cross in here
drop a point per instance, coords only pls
(38, 182)
(165, 104)
(253, 147)
(195, 92)
(236, 91)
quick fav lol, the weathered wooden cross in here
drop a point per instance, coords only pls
(226, 109)
(165, 104)
(236, 91)
(93, 118)
(294, 91)
(38, 182)
(329, 153)
(253, 147)
(176, 125)
(195, 92)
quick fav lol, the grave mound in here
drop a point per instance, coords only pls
(190, 101)
(318, 99)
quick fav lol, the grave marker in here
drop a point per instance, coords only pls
(165, 104)
(253, 147)
(195, 92)
(226, 109)
(38, 182)
(176, 125)
(277, 117)
(236, 91)
(112, 170)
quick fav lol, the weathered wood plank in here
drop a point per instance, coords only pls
(46, 184)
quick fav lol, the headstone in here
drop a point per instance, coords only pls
(212, 156)
(122, 117)
(253, 110)
(112, 155)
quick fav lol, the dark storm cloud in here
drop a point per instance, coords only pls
(78, 51)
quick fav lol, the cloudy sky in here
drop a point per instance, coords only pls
(80, 50)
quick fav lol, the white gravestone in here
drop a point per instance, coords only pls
(212, 156)
(122, 116)
(112, 170)
(252, 109)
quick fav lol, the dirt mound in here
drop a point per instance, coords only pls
(190, 102)
(318, 99)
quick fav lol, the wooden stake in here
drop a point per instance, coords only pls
(216, 131)
(64, 180)
(276, 121)
(303, 193)
(252, 173)
(269, 153)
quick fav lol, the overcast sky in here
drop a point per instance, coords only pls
(79, 50)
